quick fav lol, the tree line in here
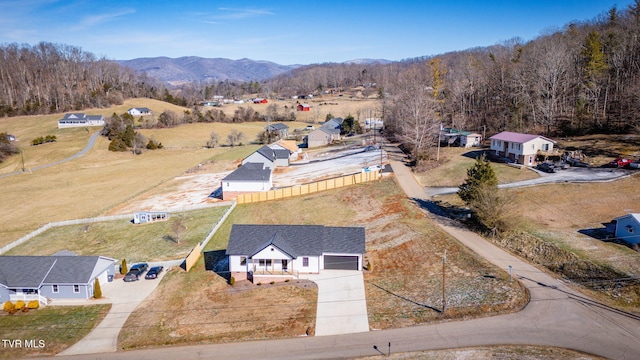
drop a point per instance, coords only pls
(52, 78)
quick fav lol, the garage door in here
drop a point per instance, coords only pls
(336, 262)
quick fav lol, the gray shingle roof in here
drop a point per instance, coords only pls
(296, 240)
(277, 127)
(281, 153)
(250, 172)
(31, 271)
(267, 152)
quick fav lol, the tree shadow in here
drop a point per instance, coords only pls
(170, 238)
(474, 154)
(218, 262)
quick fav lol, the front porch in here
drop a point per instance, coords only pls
(28, 297)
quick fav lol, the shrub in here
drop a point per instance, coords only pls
(232, 281)
(272, 282)
(97, 291)
(33, 304)
(19, 304)
(123, 267)
(8, 306)
(369, 266)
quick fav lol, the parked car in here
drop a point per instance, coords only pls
(546, 167)
(135, 272)
(154, 272)
(577, 163)
(620, 163)
(635, 165)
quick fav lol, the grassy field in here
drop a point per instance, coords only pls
(120, 239)
(564, 214)
(454, 162)
(56, 328)
(403, 247)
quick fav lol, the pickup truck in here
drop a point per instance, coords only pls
(621, 163)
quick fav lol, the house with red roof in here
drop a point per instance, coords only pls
(521, 148)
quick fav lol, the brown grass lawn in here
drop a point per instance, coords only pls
(454, 162)
(56, 328)
(403, 288)
(120, 239)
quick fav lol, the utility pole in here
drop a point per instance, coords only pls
(444, 293)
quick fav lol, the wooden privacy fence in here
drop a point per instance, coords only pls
(318, 186)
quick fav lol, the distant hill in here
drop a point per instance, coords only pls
(368, 61)
(196, 69)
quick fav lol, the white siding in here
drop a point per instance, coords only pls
(628, 229)
(258, 158)
(246, 186)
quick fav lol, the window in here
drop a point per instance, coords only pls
(630, 229)
(262, 262)
(268, 262)
(545, 147)
(55, 288)
(243, 260)
(76, 288)
(305, 261)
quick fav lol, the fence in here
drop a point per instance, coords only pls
(109, 218)
(318, 186)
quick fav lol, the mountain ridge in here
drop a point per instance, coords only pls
(187, 69)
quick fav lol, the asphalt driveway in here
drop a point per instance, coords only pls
(342, 304)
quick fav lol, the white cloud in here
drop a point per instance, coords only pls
(236, 14)
(93, 20)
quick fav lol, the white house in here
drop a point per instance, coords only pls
(248, 178)
(264, 155)
(142, 111)
(288, 145)
(280, 252)
(628, 228)
(55, 277)
(80, 120)
(521, 148)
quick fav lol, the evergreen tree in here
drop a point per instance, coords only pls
(481, 175)
(97, 292)
(123, 267)
(480, 192)
(129, 135)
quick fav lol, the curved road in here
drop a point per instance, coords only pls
(92, 141)
(556, 316)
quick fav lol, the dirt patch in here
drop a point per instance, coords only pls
(211, 310)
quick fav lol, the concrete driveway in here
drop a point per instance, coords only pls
(124, 297)
(342, 304)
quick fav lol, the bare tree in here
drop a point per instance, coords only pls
(235, 137)
(214, 140)
(179, 228)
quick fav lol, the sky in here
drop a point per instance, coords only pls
(287, 32)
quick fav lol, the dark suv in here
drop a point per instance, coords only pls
(135, 272)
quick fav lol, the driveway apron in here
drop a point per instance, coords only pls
(342, 304)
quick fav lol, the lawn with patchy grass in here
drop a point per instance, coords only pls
(403, 246)
(54, 327)
(451, 171)
(121, 239)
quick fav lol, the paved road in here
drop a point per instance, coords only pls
(92, 141)
(556, 316)
(573, 175)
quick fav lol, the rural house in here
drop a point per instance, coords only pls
(521, 148)
(265, 155)
(248, 178)
(457, 137)
(279, 128)
(288, 145)
(52, 277)
(80, 120)
(303, 107)
(335, 123)
(628, 228)
(280, 252)
(143, 111)
(321, 136)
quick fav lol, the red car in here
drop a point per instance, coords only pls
(621, 163)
